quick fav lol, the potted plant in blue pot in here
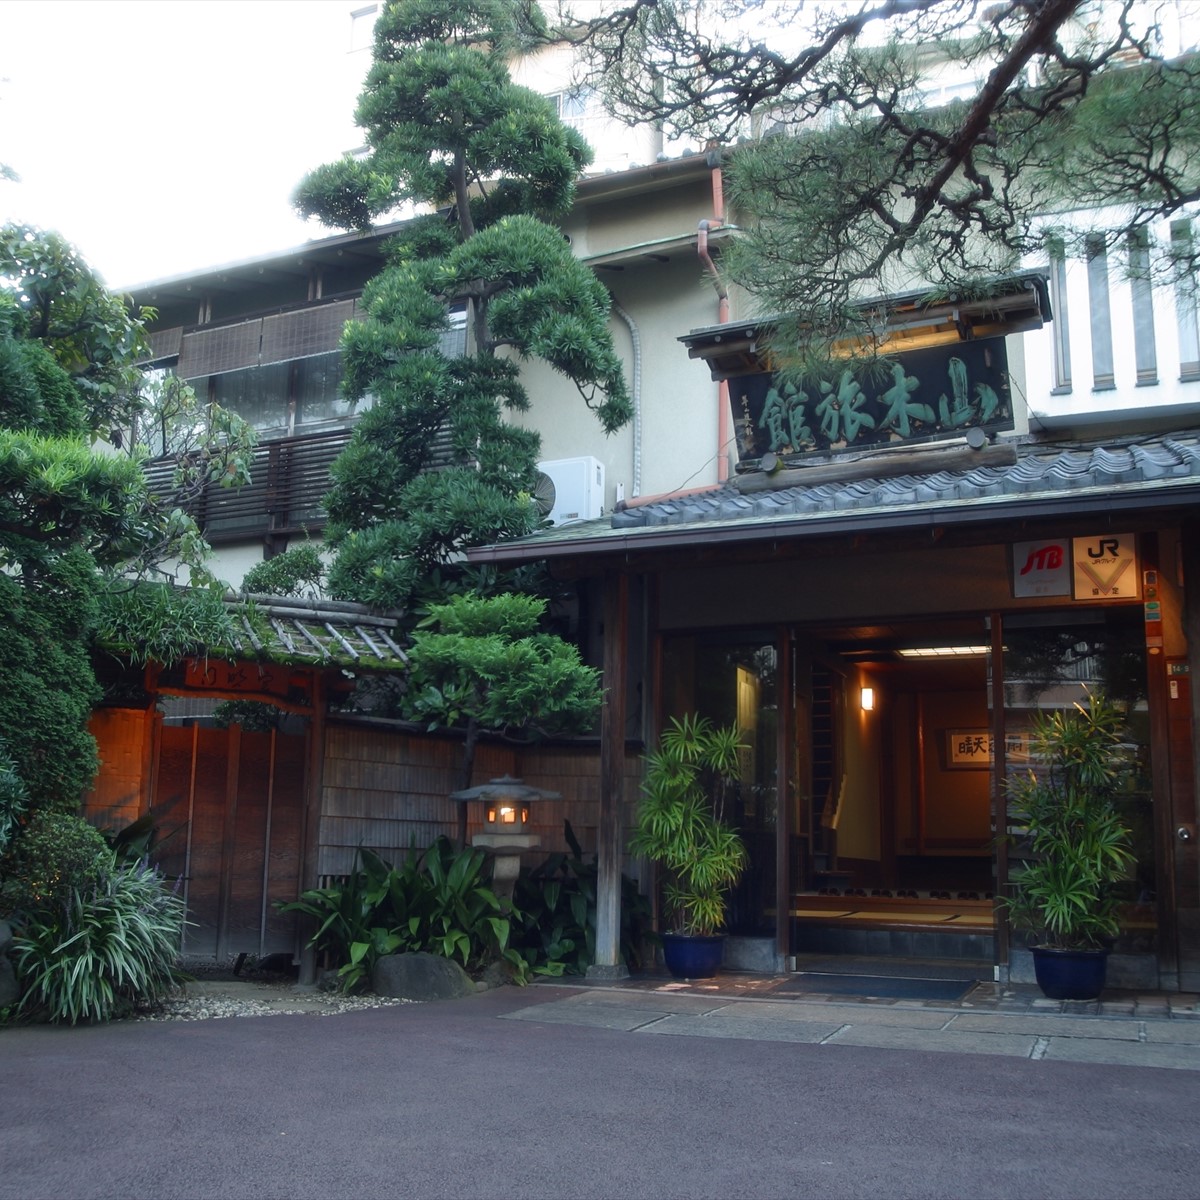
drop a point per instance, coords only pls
(1075, 846)
(680, 824)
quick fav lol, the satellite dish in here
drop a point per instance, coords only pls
(544, 494)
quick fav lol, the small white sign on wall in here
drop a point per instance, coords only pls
(1042, 568)
(1105, 567)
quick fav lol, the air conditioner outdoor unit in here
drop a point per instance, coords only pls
(575, 491)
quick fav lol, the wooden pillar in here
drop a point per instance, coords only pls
(312, 816)
(784, 800)
(609, 834)
(229, 835)
(999, 792)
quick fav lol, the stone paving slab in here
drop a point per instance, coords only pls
(740, 1026)
(595, 1016)
(1177, 1033)
(893, 1038)
(666, 1002)
(1124, 1054)
(1047, 1026)
(839, 1014)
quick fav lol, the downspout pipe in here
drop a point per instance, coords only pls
(724, 419)
(635, 338)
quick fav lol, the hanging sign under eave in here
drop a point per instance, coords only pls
(942, 371)
(916, 396)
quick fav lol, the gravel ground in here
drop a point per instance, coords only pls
(214, 991)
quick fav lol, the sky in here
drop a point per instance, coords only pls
(163, 136)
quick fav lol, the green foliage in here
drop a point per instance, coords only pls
(59, 854)
(554, 913)
(101, 948)
(298, 571)
(249, 714)
(58, 495)
(481, 663)
(49, 686)
(164, 623)
(14, 799)
(680, 820)
(446, 126)
(90, 333)
(849, 180)
(1067, 824)
(439, 902)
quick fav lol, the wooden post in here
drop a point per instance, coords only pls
(229, 836)
(312, 814)
(784, 800)
(609, 838)
(1000, 794)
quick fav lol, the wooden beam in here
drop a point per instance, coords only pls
(609, 834)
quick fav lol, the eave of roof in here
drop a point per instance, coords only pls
(1133, 476)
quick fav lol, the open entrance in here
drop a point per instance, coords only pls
(893, 845)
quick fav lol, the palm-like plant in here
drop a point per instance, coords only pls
(681, 821)
(1079, 847)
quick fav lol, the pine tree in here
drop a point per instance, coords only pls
(448, 131)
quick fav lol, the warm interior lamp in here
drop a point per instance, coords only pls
(867, 698)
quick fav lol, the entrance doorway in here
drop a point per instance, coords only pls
(893, 846)
(231, 833)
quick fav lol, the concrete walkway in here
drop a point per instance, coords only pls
(1124, 1029)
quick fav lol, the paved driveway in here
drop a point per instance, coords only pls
(451, 1100)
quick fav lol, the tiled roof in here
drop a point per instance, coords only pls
(1039, 478)
(1037, 471)
(313, 633)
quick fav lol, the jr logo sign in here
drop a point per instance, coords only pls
(1105, 567)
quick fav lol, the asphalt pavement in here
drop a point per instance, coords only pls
(617, 1091)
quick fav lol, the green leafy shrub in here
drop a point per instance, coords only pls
(555, 914)
(298, 571)
(1065, 894)
(56, 855)
(439, 901)
(680, 821)
(100, 950)
(14, 798)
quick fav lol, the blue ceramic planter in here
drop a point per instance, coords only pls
(693, 956)
(1070, 974)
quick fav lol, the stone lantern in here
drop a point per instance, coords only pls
(506, 804)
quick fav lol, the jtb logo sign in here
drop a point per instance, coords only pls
(1044, 558)
(1041, 569)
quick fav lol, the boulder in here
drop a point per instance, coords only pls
(420, 976)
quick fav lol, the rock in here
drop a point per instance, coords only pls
(420, 976)
(494, 975)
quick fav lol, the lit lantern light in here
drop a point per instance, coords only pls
(505, 816)
(867, 698)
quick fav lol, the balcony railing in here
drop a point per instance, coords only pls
(289, 477)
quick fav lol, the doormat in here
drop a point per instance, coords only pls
(875, 986)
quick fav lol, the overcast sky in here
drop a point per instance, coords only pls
(162, 136)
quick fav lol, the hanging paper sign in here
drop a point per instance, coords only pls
(917, 396)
